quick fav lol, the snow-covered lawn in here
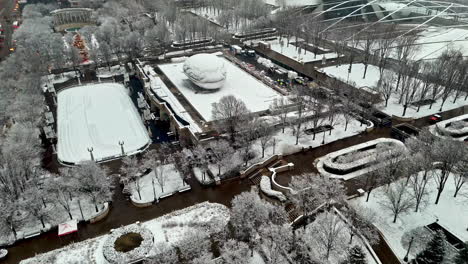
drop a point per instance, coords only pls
(169, 229)
(348, 159)
(393, 108)
(98, 116)
(285, 143)
(256, 95)
(291, 51)
(30, 225)
(451, 213)
(173, 182)
(458, 126)
(433, 41)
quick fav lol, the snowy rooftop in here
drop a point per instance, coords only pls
(256, 95)
(97, 116)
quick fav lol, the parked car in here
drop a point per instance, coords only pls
(435, 118)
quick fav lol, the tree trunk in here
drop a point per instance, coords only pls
(439, 192)
(95, 207)
(368, 194)
(404, 109)
(395, 218)
(42, 222)
(81, 209)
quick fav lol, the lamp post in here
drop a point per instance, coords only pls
(154, 191)
(121, 143)
(409, 248)
(90, 150)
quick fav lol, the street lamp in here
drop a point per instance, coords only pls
(409, 248)
(121, 143)
(90, 150)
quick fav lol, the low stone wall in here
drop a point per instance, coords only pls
(276, 186)
(259, 165)
(101, 215)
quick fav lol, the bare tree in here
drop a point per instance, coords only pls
(132, 172)
(220, 152)
(93, 182)
(230, 113)
(460, 175)
(277, 241)
(264, 133)
(280, 106)
(448, 153)
(326, 233)
(249, 212)
(234, 252)
(397, 199)
(312, 190)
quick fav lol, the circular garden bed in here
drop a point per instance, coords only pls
(128, 244)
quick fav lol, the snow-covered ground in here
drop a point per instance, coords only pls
(299, 55)
(173, 182)
(285, 143)
(393, 108)
(30, 225)
(461, 127)
(451, 213)
(98, 116)
(433, 41)
(169, 229)
(256, 95)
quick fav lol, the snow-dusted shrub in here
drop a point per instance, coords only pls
(458, 124)
(265, 186)
(114, 256)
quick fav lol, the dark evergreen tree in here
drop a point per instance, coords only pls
(462, 256)
(355, 256)
(434, 252)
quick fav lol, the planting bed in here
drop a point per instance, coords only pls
(357, 160)
(455, 128)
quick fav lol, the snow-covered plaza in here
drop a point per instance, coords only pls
(394, 108)
(256, 95)
(94, 118)
(301, 55)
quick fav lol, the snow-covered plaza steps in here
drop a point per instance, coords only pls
(98, 121)
(360, 159)
(455, 128)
